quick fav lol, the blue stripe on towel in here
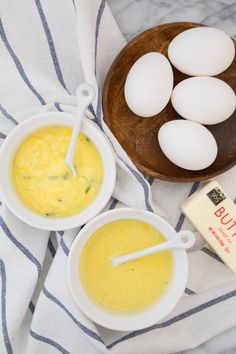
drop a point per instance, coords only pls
(99, 100)
(2, 136)
(98, 118)
(18, 64)
(64, 247)
(182, 216)
(7, 115)
(211, 254)
(19, 245)
(189, 291)
(3, 305)
(151, 180)
(90, 107)
(57, 105)
(98, 21)
(50, 43)
(86, 330)
(143, 183)
(177, 318)
(51, 248)
(73, 2)
(113, 204)
(31, 307)
(49, 341)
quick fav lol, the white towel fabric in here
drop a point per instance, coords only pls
(47, 48)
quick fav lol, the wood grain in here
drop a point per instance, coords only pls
(138, 136)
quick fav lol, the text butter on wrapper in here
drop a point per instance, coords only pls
(213, 214)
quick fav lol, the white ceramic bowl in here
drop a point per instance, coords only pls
(9, 194)
(133, 320)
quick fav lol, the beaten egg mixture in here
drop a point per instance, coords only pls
(133, 285)
(45, 183)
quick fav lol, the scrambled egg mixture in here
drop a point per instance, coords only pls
(45, 183)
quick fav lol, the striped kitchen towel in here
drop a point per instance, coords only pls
(48, 48)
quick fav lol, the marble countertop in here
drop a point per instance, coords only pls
(134, 16)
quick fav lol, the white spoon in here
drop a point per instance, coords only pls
(184, 239)
(84, 94)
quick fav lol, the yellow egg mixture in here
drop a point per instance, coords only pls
(45, 183)
(133, 285)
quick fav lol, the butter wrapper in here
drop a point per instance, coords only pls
(213, 214)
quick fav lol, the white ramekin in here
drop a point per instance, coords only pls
(133, 320)
(9, 195)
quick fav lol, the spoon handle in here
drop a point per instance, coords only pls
(185, 239)
(71, 149)
(84, 95)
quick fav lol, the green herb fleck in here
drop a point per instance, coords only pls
(87, 189)
(27, 177)
(52, 177)
(59, 200)
(87, 139)
(89, 186)
(66, 175)
(50, 214)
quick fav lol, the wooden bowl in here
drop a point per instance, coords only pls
(137, 135)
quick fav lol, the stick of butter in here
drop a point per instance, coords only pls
(213, 214)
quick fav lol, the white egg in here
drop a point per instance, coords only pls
(149, 84)
(187, 144)
(204, 99)
(202, 51)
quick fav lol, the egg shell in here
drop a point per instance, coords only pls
(206, 100)
(149, 84)
(202, 51)
(187, 144)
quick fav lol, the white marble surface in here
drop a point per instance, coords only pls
(134, 16)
